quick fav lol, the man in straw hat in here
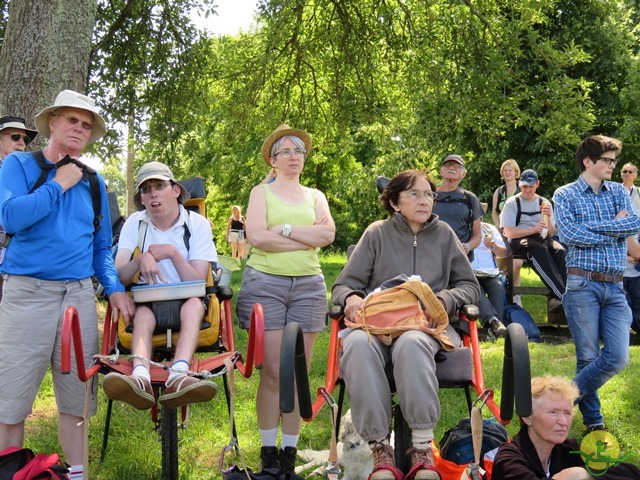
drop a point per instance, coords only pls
(160, 229)
(55, 249)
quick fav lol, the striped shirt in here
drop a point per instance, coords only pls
(586, 223)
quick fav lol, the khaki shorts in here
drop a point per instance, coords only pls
(236, 236)
(284, 299)
(31, 315)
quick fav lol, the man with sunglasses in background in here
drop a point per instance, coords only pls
(56, 243)
(14, 137)
(594, 217)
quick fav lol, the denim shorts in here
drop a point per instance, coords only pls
(284, 299)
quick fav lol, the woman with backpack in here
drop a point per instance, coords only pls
(412, 241)
(510, 173)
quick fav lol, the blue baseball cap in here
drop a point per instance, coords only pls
(529, 177)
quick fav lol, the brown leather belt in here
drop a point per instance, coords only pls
(596, 276)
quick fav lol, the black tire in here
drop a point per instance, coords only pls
(293, 362)
(401, 440)
(287, 367)
(169, 439)
(516, 374)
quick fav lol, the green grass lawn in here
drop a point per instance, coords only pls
(134, 448)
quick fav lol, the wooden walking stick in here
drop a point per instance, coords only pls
(472, 472)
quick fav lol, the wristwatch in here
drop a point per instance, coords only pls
(286, 230)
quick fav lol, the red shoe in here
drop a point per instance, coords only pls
(384, 465)
(422, 465)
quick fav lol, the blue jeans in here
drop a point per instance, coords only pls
(596, 311)
(632, 287)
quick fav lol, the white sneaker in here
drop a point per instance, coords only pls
(517, 300)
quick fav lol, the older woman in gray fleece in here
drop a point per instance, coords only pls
(411, 242)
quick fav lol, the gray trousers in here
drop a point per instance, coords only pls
(362, 366)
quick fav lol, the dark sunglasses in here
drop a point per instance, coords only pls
(16, 138)
(628, 171)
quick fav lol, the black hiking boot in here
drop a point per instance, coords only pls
(288, 459)
(269, 458)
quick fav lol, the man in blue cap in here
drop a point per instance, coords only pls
(529, 224)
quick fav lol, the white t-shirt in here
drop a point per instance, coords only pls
(635, 197)
(201, 245)
(484, 262)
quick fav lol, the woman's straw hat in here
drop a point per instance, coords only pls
(282, 131)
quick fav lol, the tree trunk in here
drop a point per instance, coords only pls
(46, 49)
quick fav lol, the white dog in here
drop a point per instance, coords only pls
(356, 459)
(354, 455)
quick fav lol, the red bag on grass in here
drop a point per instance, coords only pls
(13, 459)
(21, 464)
(44, 467)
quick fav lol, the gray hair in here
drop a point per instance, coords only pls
(296, 141)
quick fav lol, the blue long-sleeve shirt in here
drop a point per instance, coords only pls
(588, 226)
(53, 232)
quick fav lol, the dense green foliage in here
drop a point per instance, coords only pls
(381, 85)
(384, 86)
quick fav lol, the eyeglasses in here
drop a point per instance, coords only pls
(628, 171)
(455, 165)
(416, 195)
(287, 154)
(158, 187)
(607, 160)
(74, 121)
(16, 138)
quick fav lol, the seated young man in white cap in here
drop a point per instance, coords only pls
(175, 246)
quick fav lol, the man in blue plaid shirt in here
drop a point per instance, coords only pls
(594, 217)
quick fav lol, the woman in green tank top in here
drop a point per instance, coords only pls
(287, 224)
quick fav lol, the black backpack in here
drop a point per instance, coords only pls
(502, 191)
(520, 212)
(92, 176)
(457, 445)
(466, 199)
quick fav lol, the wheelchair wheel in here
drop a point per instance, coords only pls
(516, 374)
(169, 439)
(293, 364)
